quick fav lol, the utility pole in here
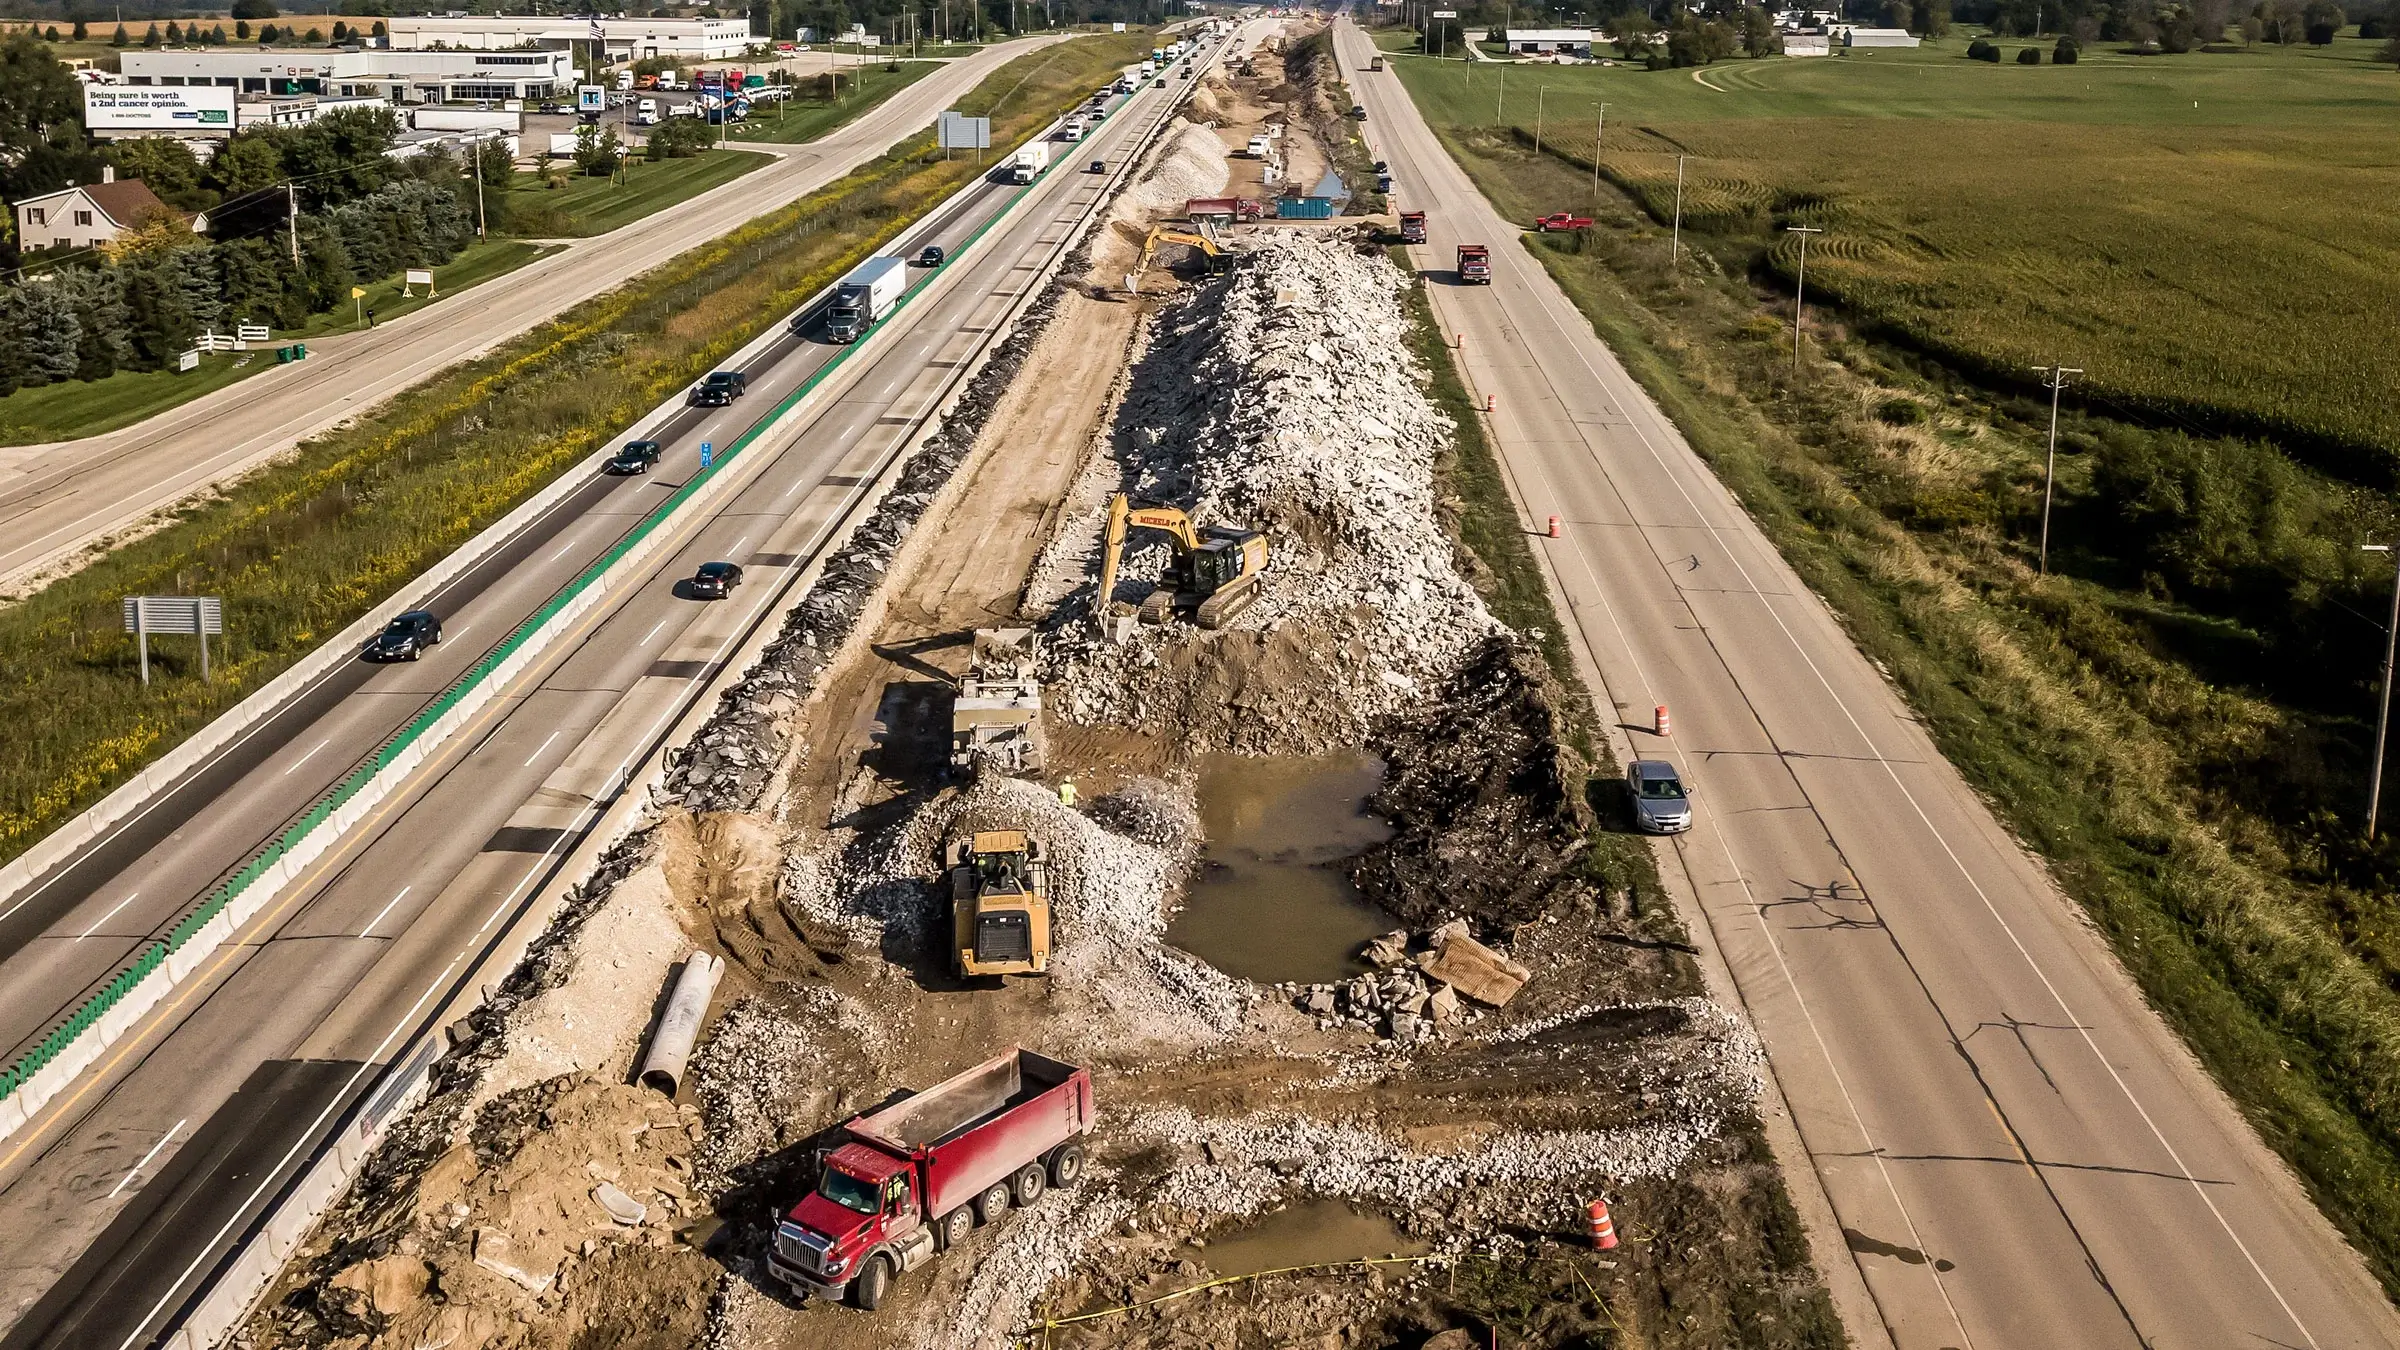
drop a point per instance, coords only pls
(1538, 91)
(1599, 129)
(2055, 378)
(1675, 241)
(2383, 718)
(291, 194)
(1800, 291)
(1502, 102)
(478, 154)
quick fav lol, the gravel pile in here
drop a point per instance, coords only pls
(1189, 162)
(1281, 396)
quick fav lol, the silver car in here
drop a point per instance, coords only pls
(1660, 805)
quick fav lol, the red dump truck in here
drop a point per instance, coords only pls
(917, 1176)
(1412, 227)
(1474, 265)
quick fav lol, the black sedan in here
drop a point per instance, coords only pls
(636, 457)
(406, 638)
(715, 581)
(932, 256)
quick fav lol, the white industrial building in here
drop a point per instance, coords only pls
(394, 75)
(621, 39)
(1874, 37)
(1549, 41)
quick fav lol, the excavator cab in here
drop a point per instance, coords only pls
(999, 905)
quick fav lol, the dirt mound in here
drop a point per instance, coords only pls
(1485, 800)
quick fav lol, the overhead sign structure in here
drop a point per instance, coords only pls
(591, 98)
(146, 107)
(955, 132)
(181, 615)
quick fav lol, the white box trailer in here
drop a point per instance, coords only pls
(1027, 164)
(562, 146)
(466, 119)
(865, 296)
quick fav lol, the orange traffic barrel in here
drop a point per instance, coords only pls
(1603, 1229)
(1659, 720)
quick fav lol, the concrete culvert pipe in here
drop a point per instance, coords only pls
(679, 1026)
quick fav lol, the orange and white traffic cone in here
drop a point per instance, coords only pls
(1603, 1229)
(1554, 527)
(1659, 720)
(1491, 403)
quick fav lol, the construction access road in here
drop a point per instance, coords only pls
(129, 1188)
(61, 498)
(2017, 1151)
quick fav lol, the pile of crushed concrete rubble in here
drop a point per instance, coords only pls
(1408, 999)
(1283, 397)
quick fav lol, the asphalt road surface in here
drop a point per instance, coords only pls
(60, 498)
(136, 1178)
(2018, 1152)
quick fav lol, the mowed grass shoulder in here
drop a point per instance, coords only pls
(2207, 235)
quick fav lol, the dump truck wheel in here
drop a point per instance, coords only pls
(957, 1226)
(872, 1284)
(1066, 1167)
(1031, 1182)
(993, 1203)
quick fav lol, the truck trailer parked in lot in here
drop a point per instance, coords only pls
(916, 1177)
(1029, 161)
(863, 297)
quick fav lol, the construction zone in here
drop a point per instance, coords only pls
(1143, 897)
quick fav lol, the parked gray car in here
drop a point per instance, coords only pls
(1660, 804)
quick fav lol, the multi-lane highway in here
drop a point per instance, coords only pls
(58, 499)
(125, 1190)
(2017, 1152)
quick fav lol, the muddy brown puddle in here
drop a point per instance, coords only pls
(1272, 900)
(1317, 1232)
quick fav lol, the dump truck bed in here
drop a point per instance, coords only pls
(981, 1126)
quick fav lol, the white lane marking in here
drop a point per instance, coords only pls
(385, 912)
(105, 918)
(312, 754)
(537, 754)
(563, 550)
(651, 634)
(462, 632)
(737, 546)
(2082, 1028)
(124, 1180)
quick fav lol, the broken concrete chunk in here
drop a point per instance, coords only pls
(1389, 950)
(1477, 971)
(1443, 1005)
(495, 1253)
(1320, 1002)
(1442, 935)
(390, 1283)
(621, 1207)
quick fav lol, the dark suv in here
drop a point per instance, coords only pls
(636, 457)
(406, 638)
(720, 388)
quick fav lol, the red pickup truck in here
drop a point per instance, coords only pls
(1474, 265)
(1562, 220)
(917, 1176)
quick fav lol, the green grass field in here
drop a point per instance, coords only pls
(2206, 235)
(588, 206)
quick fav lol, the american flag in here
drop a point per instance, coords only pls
(596, 34)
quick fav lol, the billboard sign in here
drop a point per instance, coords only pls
(150, 107)
(954, 132)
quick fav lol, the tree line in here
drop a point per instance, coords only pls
(1676, 33)
(297, 215)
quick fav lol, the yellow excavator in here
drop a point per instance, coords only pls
(1160, 234)
(999, 905)
(1213, 577)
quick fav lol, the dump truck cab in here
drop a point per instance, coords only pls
(999, 905)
